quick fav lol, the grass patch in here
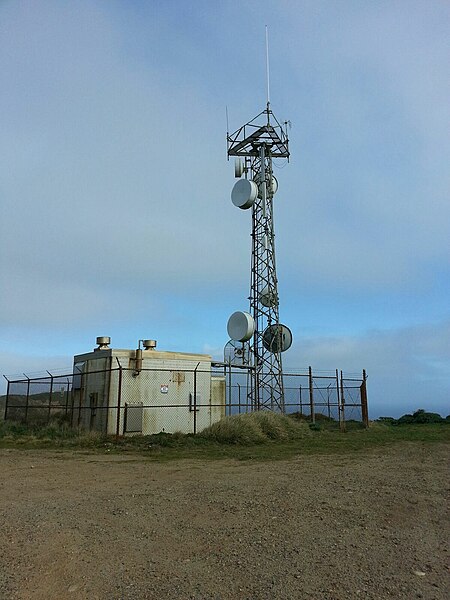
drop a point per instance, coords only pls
(255, 428)
(256, 436)
(52, 435)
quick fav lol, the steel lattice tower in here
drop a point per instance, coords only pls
(258, 142)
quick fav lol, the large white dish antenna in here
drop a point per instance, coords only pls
(268, 297)
(277, 338)
(244, 193)
(241, 326)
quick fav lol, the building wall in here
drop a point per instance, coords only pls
(91, 383)
(160, 395)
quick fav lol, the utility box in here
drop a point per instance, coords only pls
(143, 392)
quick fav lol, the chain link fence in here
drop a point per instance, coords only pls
(121, 401)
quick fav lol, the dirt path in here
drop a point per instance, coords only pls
(119, 527)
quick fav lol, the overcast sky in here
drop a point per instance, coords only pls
(116, 216)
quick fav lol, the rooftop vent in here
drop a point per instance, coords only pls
(103, 343)
(149, 344)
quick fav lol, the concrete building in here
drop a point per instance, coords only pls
(145, 391)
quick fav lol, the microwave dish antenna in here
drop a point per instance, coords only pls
(241, 326)
(277, 338)
(268, 297)
(244, 193)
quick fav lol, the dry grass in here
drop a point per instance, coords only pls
(255, 428)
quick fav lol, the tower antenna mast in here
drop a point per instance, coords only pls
(267, 67)
(254, 145)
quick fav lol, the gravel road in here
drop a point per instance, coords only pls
(338, 527)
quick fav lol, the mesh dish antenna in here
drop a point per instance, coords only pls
(237, 353)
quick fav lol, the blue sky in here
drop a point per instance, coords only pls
(115, 188)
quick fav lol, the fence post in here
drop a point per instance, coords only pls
(311, 396)
(72, 401)
(338, 395)
(7, 399)
(195, 398)
(364, 409)
(119, 399)
(239, 397)
(28, 399)
(342, 414)
(67, 398)
(229, 386)
(80, 399)
(328, 400)
(50, 397)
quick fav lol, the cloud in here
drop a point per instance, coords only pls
(104, 186)
(405, 366)
(369, 197)
(13, 365)
(110, 178)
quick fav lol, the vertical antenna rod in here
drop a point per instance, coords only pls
(267, 67)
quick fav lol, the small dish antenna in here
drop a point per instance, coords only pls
(268, 297)
(277, 338)
(244, 193)
(241, 326)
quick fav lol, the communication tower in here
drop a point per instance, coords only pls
(260, 332)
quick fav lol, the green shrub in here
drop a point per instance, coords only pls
(405, 420)
(388, 420)
(13, 428)
(315, 426)
(420, 417)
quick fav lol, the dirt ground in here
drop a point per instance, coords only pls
(339, 527)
